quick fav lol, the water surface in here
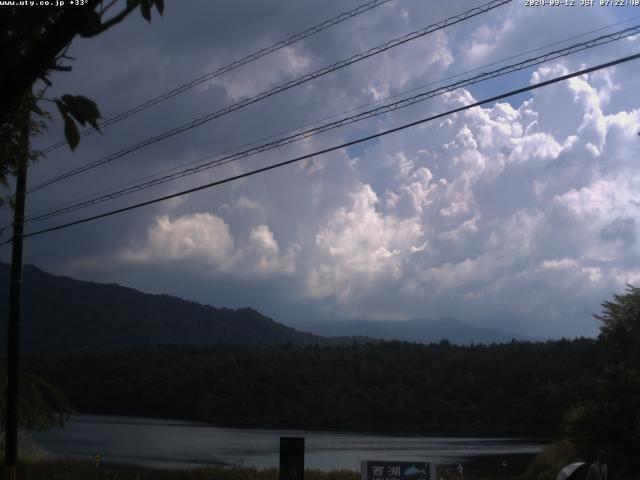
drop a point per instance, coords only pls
(179, 444)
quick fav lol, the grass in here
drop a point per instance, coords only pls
(70, 469)
(28, 450)
(74, 469)
(550, 461)
(36, 464)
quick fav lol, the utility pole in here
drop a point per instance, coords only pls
(15, 294)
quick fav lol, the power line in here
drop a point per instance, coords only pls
(334, 115)
(602, 40)
(280, 88)
(63, 204)
(337, 147)
(365, 7)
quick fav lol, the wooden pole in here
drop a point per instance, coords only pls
(15, 297)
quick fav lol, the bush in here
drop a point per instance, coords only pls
(550, 461)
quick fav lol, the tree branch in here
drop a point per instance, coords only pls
(34, 62)
(112, 21)
(107, 7)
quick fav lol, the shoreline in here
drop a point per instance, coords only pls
(497, 434)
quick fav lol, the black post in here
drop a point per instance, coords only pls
(15, 294)
(291, 458)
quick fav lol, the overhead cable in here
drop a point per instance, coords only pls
(317, 121)
(365, 7)
(336, 147)
(578, 47)
(278, 89)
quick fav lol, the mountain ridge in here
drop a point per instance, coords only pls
(62, 315)
(422, 330)
(66, 315)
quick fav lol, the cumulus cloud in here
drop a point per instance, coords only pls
(360, 248)
(520, 214)
(486, 39)
(196, 237)
(493, 213)
(203, 240)
(497, 212)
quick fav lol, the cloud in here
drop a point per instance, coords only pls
(195, 238)
(520, 214)
(486, 39)
(359, 248)
(502, 212)
(493, 214)
(203, 240)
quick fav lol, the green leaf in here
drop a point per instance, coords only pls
(75, 114)
(82, 109)
(160, 6)
(61, 107)
(71, 132)
(37, 110)
(89, 110)
(145, 9)
(93, 122)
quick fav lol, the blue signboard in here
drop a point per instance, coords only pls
(390, 470)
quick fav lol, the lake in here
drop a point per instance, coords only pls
(179, 444)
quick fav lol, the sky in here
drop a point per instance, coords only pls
(520, 215)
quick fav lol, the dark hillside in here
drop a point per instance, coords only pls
(61, 314)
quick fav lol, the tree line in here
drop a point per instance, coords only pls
(518, 387)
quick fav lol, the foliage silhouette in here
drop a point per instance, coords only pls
(33, 43)
(610, 416)
(517, 387)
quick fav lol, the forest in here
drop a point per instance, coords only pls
(517, 387)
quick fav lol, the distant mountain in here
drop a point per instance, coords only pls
(61, 314)
(416, 330)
